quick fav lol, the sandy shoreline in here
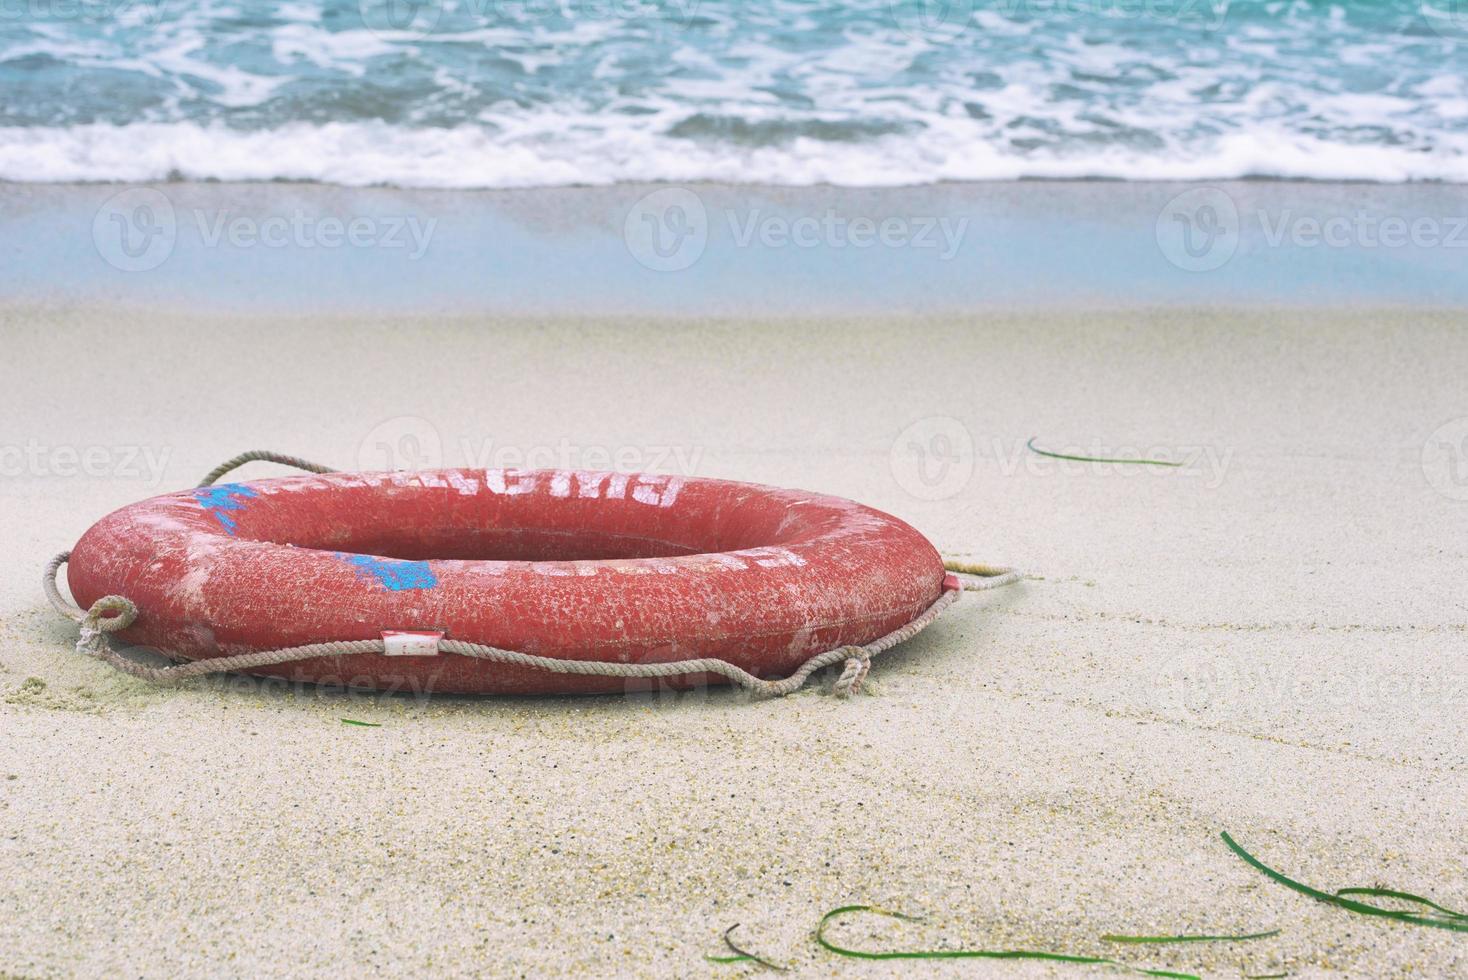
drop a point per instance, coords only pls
(1269, 641)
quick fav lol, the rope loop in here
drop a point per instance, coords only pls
(979, 577)
(111, 613)
(265, 456)
(53, 594)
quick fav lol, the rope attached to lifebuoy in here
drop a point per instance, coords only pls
(262, 456)
(112, 613)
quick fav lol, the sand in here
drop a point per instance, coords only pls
(1269, 640)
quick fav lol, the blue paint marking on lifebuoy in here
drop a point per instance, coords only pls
(222, 499)
(395, 575)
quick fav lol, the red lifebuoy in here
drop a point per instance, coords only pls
(565, 564)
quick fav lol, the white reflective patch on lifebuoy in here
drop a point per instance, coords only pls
(411, 643)
(773, 557)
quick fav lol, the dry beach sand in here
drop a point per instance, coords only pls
(1269, 640)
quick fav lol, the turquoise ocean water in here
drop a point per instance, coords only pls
(496, 93)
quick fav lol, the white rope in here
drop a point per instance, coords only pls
(263, 455)
(978, 577)
(113, 612)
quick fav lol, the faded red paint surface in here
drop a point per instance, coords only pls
(568, 564)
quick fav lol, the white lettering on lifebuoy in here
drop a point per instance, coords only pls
(653, 489)
(510, 483)
(466, 485)
(659, 491)
(588, 483)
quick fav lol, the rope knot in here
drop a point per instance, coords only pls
(110, 614)
(858, 662)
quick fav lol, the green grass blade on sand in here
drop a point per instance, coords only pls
(1434, 921)
(955, 954)
(742, 955)
(1159, 940)
(360, 724)
(1403, 897)
(1094, 459)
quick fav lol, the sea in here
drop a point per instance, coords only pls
(547, 93)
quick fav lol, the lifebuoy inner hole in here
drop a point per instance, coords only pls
(419, 523)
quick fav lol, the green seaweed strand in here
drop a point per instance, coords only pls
(1455, 925)
(1190, 939)
(950, 954)
(743, 955)
(1405, 897)
(1094, 459)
